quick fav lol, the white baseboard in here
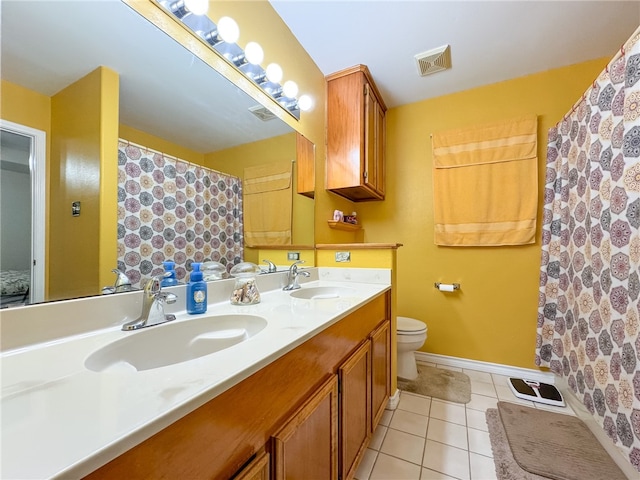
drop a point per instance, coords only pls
(394, 400)
(497, 368)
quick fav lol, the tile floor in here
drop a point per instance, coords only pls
(429, 439)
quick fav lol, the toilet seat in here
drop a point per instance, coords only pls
(410, 326)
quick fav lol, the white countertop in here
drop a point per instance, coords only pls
(60, 419)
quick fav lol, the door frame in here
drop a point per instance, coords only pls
(37, 168)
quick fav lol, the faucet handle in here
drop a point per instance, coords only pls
(167, 297)
(294, 265)
(122, 284)
(272, 267)
(152, 286)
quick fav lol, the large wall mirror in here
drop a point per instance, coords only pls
(157, 97)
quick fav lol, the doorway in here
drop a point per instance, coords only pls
(22, 214)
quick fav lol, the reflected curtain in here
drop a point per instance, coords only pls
(588, 325)
(170, 209)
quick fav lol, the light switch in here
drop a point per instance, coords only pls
(343, 257)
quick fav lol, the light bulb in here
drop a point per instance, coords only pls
(274, 72)
(290, 89)
(253, 52)
(305, 102)
(197, 7)
(228, 29)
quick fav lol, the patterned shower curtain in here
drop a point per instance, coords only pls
(169, 209)
(588, 320)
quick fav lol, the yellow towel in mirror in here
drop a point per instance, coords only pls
(267, 192)
(485, 184)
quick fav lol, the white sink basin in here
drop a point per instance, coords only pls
(172, 343)
(318, 293)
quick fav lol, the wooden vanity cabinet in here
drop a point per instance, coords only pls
(287, 409)
(355, 135)
(257, 469)
(380, 372)
(307, 446)
(365, 386)
(355, 409)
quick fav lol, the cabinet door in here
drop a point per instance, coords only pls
(380, 160)
(306, 447)
(305, 165)
(374, 133)
(258, 469)
(380, 370)
(355, 408)
(370, 174)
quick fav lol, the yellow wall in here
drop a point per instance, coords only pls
(109, 119)
(31, 109)
(493, 318)
(279, 256)
(81, 247)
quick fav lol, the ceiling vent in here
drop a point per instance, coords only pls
(262, 113)
(433, 60)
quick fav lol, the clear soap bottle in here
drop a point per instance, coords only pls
(245, 291)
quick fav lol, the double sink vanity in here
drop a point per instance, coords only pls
(240, 391)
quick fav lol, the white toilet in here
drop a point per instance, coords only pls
(411, 336)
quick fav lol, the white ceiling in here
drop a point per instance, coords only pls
(490, 41)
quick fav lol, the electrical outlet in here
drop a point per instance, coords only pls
(293, 256)
(343, 257)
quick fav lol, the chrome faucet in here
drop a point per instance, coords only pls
(123, 284)
(153, 302)
(272, 267)
(292, 276)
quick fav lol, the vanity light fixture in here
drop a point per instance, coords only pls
(254, 53)
(305, 102)
(179, 9)
(229, 30)
(197, 7)
(290, 89)
(274, 72)
(222, 37)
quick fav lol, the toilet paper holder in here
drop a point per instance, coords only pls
(451, 286)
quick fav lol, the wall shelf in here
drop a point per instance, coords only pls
(349, 227)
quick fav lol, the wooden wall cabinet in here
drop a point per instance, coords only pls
(306, 168)
(355, 135)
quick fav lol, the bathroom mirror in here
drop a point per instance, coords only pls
(165, 92)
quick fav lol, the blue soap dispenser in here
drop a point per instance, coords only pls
(196, 291)
(169, 279)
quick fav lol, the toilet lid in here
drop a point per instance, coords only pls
(411, 325)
